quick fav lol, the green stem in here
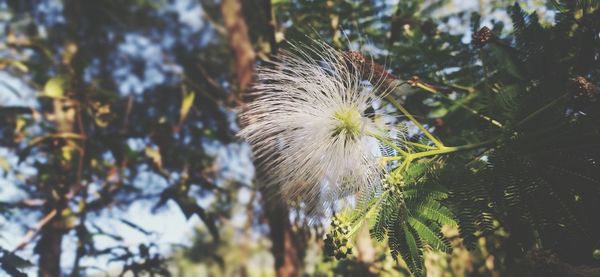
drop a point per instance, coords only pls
(470, 90)
(394, 158)
(388, 142)
(542, 109)
(357, 223)
(397, 105)
(420, 145)
(466, 89)
(405, 163)
(473, 111)
(446, 150)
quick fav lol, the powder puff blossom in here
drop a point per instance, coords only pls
(312, 127)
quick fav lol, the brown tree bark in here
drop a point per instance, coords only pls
(239, 42)
(49, 249)
(285, 248)
(49, 246)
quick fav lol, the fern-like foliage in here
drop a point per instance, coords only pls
(537, 179)
(411, 215)
(541, 179)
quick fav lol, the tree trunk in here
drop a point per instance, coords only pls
(49, 248)
(284, 247)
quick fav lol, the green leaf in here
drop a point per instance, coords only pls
(432, 237)
(186, 104)
(55, 87)
(154, 155)
(4, 164)
(440, 112)
(508, 61)
(378, 230)
(440, 215)
(414, 254)
(18, 64)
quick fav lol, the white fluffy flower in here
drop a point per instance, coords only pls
(310, 127)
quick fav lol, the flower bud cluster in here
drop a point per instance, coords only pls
(337, 243)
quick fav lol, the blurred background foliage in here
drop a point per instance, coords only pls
(118, 151)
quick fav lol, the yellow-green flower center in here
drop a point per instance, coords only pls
(348, 121)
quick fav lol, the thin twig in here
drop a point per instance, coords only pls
(417, 82)
(397, 105)
(30, 235)
(542, 109)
